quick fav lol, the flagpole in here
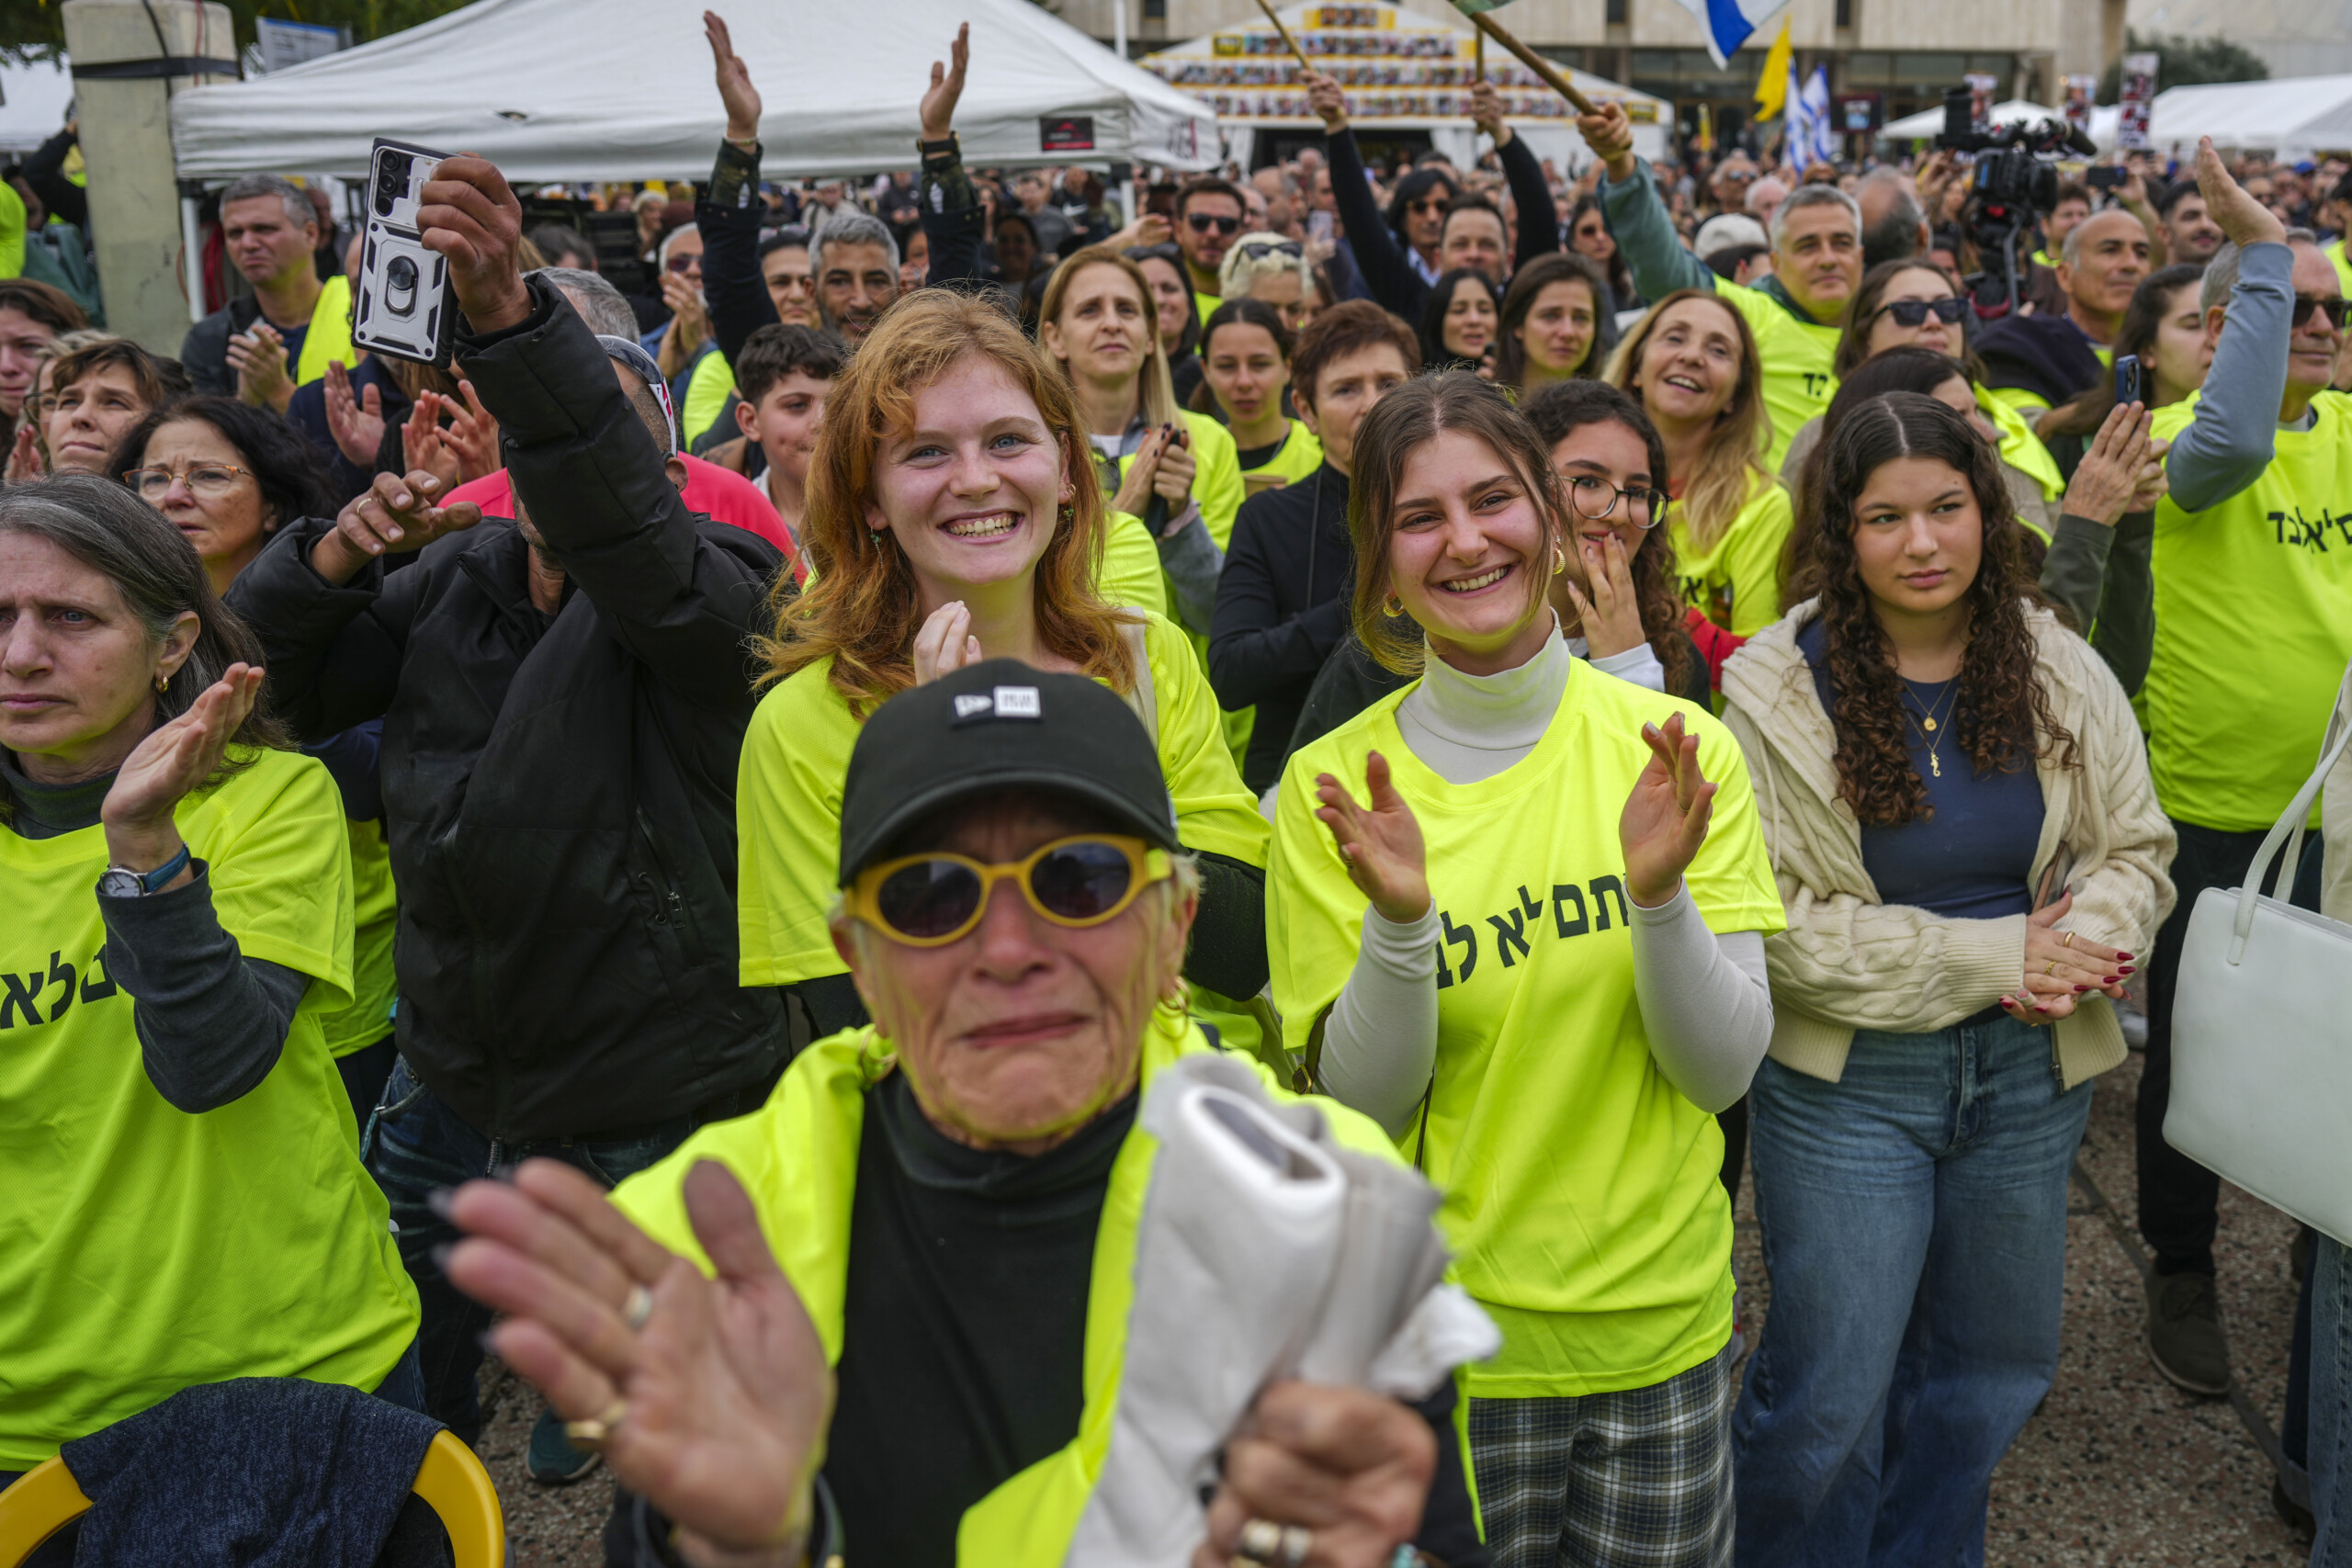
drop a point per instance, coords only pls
(1529, 58)
(1288, 43)
(1478, 57)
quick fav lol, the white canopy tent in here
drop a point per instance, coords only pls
(570, 90)
(32, 104)
(1402, 71)
(2292, 116)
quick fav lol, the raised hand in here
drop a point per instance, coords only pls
(1607, 612)
(356, 422)
(1382, 843)
(1487, 112)
(472, 437)
(1609, 134)
(1172, 479)
(944, 643)
(259, 356)
(2243, 219)
(938, 107)
(1666, 816)
(735, 89)
(25, 462)
(393, 515)
(2108, 475)
(713, 1393)
(468, 213)
(1142, 476)
(2061, 966)
(173, 760)
(1345, 1465)
(1327, 98)
(425, 448)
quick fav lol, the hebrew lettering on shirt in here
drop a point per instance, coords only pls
(1576, 909)
(1467, 936)
(42, 993)
(2294, 529)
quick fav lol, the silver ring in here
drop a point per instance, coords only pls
(1298, 1546)
(1258, 1542)
(638, 1308)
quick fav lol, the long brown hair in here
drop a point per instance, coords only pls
(2142, 320)
(1862, 312)
(2001, 712)
(1154, 387)
(1526, 286)
(862, 607)
(1732, 463)
(1398, 425)
(1565, 407)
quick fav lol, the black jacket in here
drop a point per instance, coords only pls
(204, 352)
(559, 791)
(1387, 271)
(1282, 607)
(2047, 356)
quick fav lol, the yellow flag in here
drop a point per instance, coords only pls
(1772, 85)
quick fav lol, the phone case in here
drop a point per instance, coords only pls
(404, 308)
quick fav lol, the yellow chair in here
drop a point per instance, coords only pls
(451, 1481)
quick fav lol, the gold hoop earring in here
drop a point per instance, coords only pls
(1394, 606)
(163, 684)
(1559, 559)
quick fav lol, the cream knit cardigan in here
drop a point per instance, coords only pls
(1849, 961)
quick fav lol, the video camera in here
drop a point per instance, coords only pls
(2018, 181)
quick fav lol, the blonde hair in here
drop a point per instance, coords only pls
(1239, 270)
(1731, 463)
(1156, 388)
(862, 607)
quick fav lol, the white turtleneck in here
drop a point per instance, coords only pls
(1706, 1003)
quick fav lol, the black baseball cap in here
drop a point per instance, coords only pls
(995, 726)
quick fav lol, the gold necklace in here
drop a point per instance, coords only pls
(1929, 732)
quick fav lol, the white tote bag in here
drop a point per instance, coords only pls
(2262, 1031)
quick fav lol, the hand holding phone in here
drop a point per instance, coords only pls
(402, 309)
(2127, 380)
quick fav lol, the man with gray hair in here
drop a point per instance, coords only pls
(1817, 237)
(2253, 569)
(262, 347)
(1894, 226)
(856, 264)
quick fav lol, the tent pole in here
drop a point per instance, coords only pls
(1119, 28)
(192, 258)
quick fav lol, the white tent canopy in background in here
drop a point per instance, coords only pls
(36, 97)
(2292, 116)
(1402, 71)
(566, 90)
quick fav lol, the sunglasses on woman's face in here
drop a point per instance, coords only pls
(1914, 312)
(2336, 311)
(1202, 223)
(932, 899)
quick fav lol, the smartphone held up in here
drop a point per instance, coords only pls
(404, 308)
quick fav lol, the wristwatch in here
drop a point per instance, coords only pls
(122, 882)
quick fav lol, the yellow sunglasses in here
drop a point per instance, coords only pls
(930, 900)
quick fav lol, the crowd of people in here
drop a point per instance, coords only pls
(508, 856)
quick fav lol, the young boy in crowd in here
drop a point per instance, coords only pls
(781, 380)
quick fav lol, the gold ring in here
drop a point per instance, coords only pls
(638, 1308)
(1258, 1542)
(2068, 941)
(2052, 968)
(593, 1434)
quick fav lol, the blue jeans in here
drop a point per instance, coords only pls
(1914, 1229)
(2331, 1403)
(415, 1145)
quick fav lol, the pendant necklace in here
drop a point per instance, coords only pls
(1930, 733)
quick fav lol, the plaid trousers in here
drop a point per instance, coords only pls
(1636, 1479)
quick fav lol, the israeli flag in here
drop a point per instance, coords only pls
(1728, 23)
(1821, 117)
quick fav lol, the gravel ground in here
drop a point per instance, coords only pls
(2117, 1469)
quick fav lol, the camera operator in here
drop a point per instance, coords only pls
(2253, 629)
(2037, 362)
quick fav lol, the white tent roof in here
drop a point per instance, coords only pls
(1930, 123)
(2292, 114)
(34, 110)
(621, 89)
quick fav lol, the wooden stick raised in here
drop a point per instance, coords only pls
(1529, 58)
(1479, 58)
(1288, 43)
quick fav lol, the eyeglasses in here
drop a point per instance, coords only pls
(1914, 312)
(1596, 498)
(684, 264)
(1265, 248)
(206, 481)
(930, 900)
(2336, 311)
(1202, 223)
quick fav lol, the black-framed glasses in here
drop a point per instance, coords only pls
(1595, 497)
(1910, 314)
(1262, 248)
(2336, 310)
(1202, 223)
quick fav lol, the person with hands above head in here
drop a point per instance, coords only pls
(955, 512)
(292, 326)
(1793, 314)
(564, 697)
(2247, 539)
(179, 1171)
(1971, 856)
(892, 1316)
(1469, 229)
(1547, 1018)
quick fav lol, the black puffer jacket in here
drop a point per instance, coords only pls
(559, 791)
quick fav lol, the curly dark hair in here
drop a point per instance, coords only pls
(2001, 711)
(1564, 407)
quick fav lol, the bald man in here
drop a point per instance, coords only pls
(2039, 361)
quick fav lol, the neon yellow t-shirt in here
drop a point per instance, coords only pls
(1207, 305)
(1735, 583)
(1299, 455)
(706, 392)
(1583, 1191)
(144, 1250)
(2335, 253)
(1216, 475)
(2254, 627)
(1795, 358)
(788, 802)
(2020, 448)
(13, 217)
(1131, 575)
(375, 917)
